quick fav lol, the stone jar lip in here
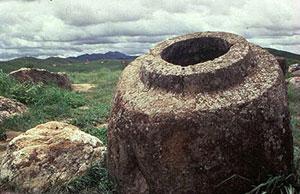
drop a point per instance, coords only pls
(221, 72)
(195, 50)
(142, 90)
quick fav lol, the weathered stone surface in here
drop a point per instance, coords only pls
(9, 108)
(283, 64)
(296, 73)
(4, 142)
(195, 111)
(294, 67)
(42, 76)
(295, 83)
(49, 155)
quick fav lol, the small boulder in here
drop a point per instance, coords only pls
(49, 155)
(294, 67)
(10, 108)
(296, 73)
(295, 82)
(42, 76)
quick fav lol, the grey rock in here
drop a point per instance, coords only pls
(195, 111)
(42, 76)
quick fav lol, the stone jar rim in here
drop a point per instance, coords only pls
(223, 71)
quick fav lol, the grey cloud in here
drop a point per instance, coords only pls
(62, 28)
(80, 13)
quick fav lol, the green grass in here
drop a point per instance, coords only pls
(294, 98)
(48, 103)
(291, 57)
(294, 107)
(45, 103)
(277, 184)
(95, 180)
(94, 66)
(2, 134)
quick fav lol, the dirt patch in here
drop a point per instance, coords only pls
(103, 125)
(83, 87)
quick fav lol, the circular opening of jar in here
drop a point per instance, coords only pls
(196, 50)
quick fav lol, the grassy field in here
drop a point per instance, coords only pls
(294, 106)
(85, 110)
(47, 103)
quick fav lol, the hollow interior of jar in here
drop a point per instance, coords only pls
(194, 51)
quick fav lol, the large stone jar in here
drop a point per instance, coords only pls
(201, 113)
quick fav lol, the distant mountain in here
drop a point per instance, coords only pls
(31, 61)
(100, 56)
(28, 61)
(291, 57)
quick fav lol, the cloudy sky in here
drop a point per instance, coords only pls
(42, 28)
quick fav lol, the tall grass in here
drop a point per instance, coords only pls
(93, 66)
(50, 103)
(294, 107)
(95, 180)
(45, 103)
(280, 184)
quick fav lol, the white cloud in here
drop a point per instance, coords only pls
(63, 27)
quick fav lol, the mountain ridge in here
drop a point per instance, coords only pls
(116, 55)
(111, 55)
(290, 57)
(107, 55)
